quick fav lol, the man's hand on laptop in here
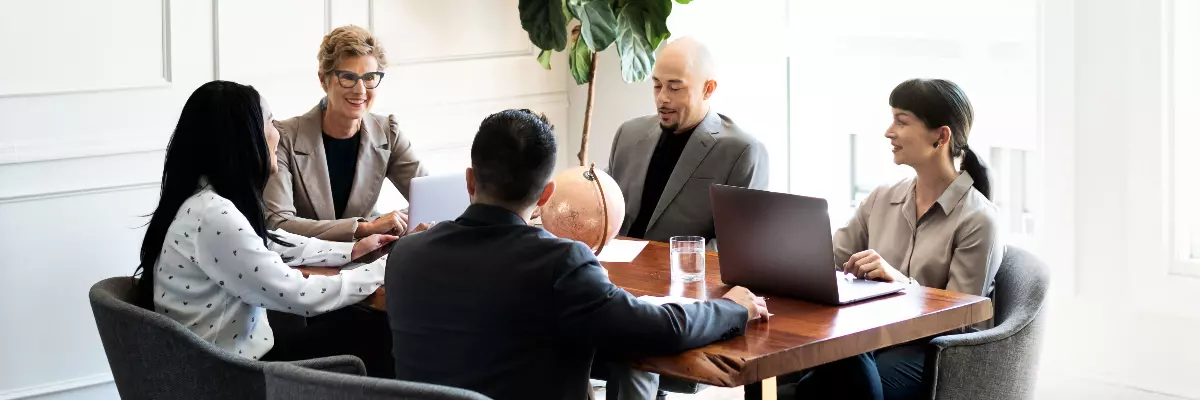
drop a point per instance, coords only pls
(421, 227)
(868, 264)
(757, 306)
(394, 223)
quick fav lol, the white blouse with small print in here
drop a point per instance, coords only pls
(217, 278)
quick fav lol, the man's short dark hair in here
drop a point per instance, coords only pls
(513, 157)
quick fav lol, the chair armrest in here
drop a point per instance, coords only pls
(345, 364)
(973, 338)
(1006, 329)
(998, 363)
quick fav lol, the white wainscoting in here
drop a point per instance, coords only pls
(74, 51)
(58, 246)
(84, 121)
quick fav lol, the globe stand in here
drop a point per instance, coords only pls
(590, 175)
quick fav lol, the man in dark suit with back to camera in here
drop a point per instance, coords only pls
(490, 303)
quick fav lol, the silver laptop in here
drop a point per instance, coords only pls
(437, 198)
(782, 244)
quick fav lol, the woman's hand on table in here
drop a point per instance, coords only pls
(369, 244)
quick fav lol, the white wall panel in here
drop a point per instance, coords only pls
(349, 12)
(104, 119)
(272, 45)
(56, 249)
(23, 181)
(449, 83)
(97, 45)
(425, 31)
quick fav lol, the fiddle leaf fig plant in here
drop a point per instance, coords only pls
(584, 28)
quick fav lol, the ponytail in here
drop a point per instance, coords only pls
(979, 172)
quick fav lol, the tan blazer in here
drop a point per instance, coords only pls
(955, 246)
(299, 199)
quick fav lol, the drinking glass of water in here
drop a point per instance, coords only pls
(687, 258)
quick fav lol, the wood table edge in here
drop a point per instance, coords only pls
(751, 371)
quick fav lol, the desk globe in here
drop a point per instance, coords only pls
(587, 206)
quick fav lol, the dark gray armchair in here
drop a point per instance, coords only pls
(998, 363)
(154, 357)
(292, 382)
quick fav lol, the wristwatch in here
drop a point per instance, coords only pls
(359, 220)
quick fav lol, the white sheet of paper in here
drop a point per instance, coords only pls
(621, 250)
(658, 301)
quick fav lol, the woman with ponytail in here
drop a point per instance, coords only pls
(938, 229)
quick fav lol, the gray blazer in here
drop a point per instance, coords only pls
(717, 153)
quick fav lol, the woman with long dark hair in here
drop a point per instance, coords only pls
(938, 229)
(209, 262)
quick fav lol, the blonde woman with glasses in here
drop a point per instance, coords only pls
(334, 158)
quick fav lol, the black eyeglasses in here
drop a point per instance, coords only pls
(349, 79)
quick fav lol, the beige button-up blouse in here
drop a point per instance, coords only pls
(955, 246)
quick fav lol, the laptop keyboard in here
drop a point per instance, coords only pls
(856, 288)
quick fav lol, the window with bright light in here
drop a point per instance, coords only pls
(845, 58)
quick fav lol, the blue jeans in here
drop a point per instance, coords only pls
(892, 373)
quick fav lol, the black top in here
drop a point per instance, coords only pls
(341, 155)
(490, 304)
(662, 164)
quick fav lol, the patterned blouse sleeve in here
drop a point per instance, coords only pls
(311, 252)
(230, 253)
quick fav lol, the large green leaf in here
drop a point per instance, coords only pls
(641, 27)
(598, 23)
(544, 58)
(683, 1)
(581, 62)
(657, 12)
(637, 57)
(545, 22)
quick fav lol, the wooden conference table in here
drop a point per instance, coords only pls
(800, 335)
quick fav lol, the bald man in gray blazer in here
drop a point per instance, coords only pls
(665, 163)
(718, 152)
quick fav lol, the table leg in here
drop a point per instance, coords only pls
(769, 389)
(765, 390)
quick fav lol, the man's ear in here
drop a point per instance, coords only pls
(547, 192)
(471, 183)
(710, 86)
(321, 78)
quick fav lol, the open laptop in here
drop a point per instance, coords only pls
(782, 244)
(437, 198)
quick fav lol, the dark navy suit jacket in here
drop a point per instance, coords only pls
(490, 304)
